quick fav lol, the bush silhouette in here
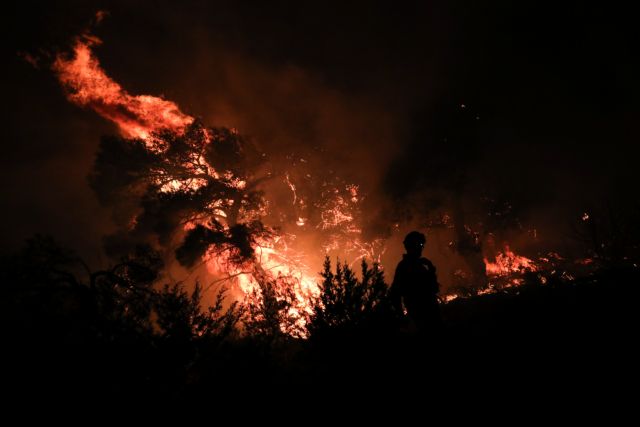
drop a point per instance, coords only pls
(346, 303)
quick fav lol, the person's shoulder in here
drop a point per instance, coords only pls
(402, 263)
(427, 262)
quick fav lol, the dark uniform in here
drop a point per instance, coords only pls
(416, 285)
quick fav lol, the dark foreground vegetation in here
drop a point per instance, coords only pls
(110, 337)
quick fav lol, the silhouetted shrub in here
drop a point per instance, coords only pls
(109, 332)
(348, 303)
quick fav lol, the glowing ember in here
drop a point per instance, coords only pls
(292, 187)
(450, 297)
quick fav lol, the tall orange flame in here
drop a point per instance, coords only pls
(87, 85)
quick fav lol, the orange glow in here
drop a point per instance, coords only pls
(271, 264)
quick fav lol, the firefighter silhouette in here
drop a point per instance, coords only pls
(415, 285)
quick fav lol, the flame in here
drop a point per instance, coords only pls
(145, 116)
(506, 272)
(142, 116)
(87, 85)
(275, 265)
(507, 263)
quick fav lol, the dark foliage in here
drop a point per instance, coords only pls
(114, 337)
(610, 232)
(107, 332)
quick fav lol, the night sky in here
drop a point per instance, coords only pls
(550, 93)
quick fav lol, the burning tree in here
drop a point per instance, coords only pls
(194, 191)
(166, 185)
